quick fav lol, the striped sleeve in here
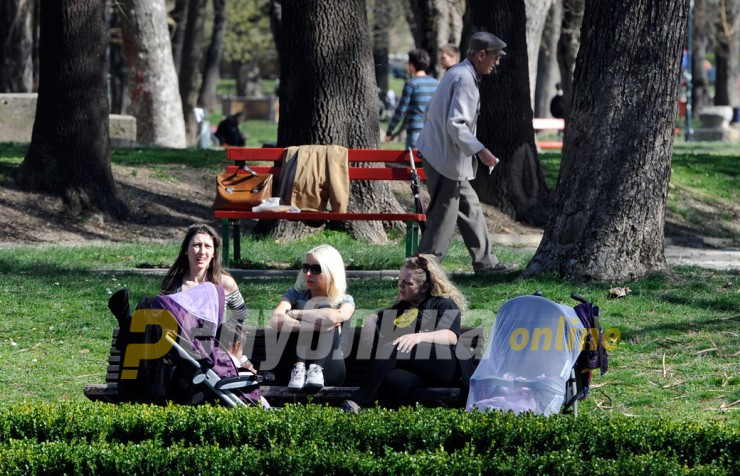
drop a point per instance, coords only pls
(237, 306)
(403, 104)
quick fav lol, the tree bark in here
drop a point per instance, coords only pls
(568, 45)
(702, 41)
(117, 73)
(435, 23)
(537, 12)
(207, 97)
(607, 222)
(189, 63)
(382, 20)
(328, 96)
(548, 73)
(155, 99)
(69, 154)
(728, 54)
(179, 17)
(16, 46)
(517, 186)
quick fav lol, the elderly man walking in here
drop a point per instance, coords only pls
(449, 148)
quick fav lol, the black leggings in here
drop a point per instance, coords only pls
(393, 377)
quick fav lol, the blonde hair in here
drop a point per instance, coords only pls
(332, 266)
(439, 283)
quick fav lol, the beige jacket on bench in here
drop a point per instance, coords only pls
(314, 176)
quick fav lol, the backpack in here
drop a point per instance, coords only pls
(594, 355)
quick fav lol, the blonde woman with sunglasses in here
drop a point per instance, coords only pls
(313, 311)
(416, 337)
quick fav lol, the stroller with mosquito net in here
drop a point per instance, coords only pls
(539, 357)
(171, 353)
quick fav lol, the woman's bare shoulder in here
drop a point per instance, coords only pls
(229, 284)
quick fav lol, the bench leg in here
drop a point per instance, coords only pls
(412, 237)
(237, 241)
(225, 242)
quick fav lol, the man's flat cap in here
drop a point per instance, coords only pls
(483, 40)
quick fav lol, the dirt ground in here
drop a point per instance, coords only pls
(161, 207)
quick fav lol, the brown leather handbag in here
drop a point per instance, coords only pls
(242, 191)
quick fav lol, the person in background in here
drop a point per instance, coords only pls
(416, 338)
(199, 261)
(449, 148)
(414, 99)
(449, 56)
(228, 132)
(314, 310)
(557, 108)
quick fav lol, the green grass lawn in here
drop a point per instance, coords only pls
(677, 356)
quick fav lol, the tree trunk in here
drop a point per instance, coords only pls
(179, 17)
(537, 13)
(701, 42)
(117, 73)
(189, 63)
(69, 154)
(381, 40)
(207, 98)
(435, 23)
(155, 99)
(517, 186)
(607, 222)
(568, 45)
(548, 74)
(16, 46)
(328, 96)
(728, 55)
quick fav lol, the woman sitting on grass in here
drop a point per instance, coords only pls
(313, 311)
(199, 261)
(416, 337)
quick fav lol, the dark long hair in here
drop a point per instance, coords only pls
(173, 279)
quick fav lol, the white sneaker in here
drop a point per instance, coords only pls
(315, 377)
(297, 376)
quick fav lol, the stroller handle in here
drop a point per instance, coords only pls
(578, 298)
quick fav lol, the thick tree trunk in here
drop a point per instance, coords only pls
(517, 186)
(568, 45)
(117, 73)
(16, 46)
(607, 222)
(192, 49)
(328, 95)
(69, 153)
(548, 73)
(155, 99)
(207, 97)
(435, 23)
(179, 17)
(728, 55)
(381, 40)
(701, 43)
(537, 12)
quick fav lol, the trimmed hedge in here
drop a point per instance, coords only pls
(141, 439)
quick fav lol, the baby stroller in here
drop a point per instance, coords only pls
(539, 357)
(170, 351)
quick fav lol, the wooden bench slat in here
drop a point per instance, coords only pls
(275, 154)
(355, 173)
(545, 123)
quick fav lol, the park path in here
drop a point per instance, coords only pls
(676, 253)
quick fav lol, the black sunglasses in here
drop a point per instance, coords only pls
(314, 268)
